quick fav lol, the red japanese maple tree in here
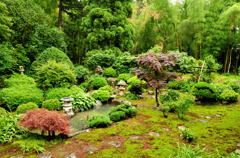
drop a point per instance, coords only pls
(154, 69)
(44, 120)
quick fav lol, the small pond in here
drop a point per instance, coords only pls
(79, 121)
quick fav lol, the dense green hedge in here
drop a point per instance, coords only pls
(121, 112)
(25, 107)
(99, 121)
(205, 92)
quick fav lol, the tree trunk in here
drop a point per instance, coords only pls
(236, 69)
(230, 60)
(156, 95)
(225, 66)
(60, 15)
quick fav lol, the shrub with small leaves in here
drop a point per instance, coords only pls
(131, 96)
(25, 107)
(229, 96)
(188, 135)
(136, 85)
(99, 121)
(110, 72)
(84, 86)
(52, 104)
(2, 111)
(205, 92)
(97, 81)
(83, 101)
(117, 116)
(82, 73)
(102, 95)
(106, 88)
(19, 80)
(172, 95)
(235, 85)
(124, 77)
(58, 93)
(183, 86)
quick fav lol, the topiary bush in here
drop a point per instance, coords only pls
(110, 72)
(136, 85)
(52, 104)
(25, 107)
(106, 88)
(97, 81)
(229, 96)
(127, 109)
(102, 95)
(82, 73)
(172, 95)
(53, 74)
(205, 92)
(124, 77)
(99, 121)
(18, 80)
(83, 101)
(52, 54)
(15, 96)
(58, 93)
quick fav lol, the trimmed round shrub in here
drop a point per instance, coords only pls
(58, 93)
(205, 92)
(82, 73)
(106, 88)
(18, 80)
(98, 82)
(25, 107)
(15, 96)
(52, 54)
(53, 74)
(128, 110)
(102, 95)
(117, 116)
(124, 77)
(110, 72)
(52, 104)
(83, 101)
(172, 95)
(99, 121)
(229, 96)
(84, 86)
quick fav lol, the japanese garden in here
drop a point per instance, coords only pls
(119, 78)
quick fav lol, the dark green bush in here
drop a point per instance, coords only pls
(25, 107)
(124, 77)
(229, 96)
(131, 96)
(84, 86)
(117, 116)
(83, 101)
(205, 92)
(53, 74)
(58, 93)
(102, 95)
(235, 85)
(97, 81)
(126, 108)
(52, 54)
(172, 95)
(52, 104)
(106, 88)
(136, 85)
(15, 96)
(183, 86)
(99, 121)
(18, 80)
(110, 72)
(82, 73)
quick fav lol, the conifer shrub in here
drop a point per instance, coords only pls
(99, 121)
(58, 93)
(124, 77)
(82, 73)
(229, 96)
(52, 104)
(25, 107)
(205, 92)
(106, 88)
(110, 72)
(83, 101)
(102, 95)
(97, 81)
(172, 95)
(183, 86)
(19, 80)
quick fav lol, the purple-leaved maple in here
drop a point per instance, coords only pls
(154, 69)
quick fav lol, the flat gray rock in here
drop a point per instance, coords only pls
(181, 127)
(127, 102)
(134, 137)
(218, 115)
(116, 144)
(45, 155)
(238, 145)
(154, 134)
(16, 157)
(98, 104)
(92, 149)
(204, 121)
(117, 101)
(208, 117)
(165, 129)
(72, 155)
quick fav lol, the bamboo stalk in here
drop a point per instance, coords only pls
(201, 71)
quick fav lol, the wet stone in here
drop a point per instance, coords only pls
(204, 121)
(134, 137)
(117, 101)
(116, 144)
(45, 155)
(92, 149)
(154, 134)
(72, 155)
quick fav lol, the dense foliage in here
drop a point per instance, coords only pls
(58, 93)
(52, 104)
(23, 108)
(110, 72)
(97, 81)
(83, 101)
(19, 80)
(102, 95)
(205, 92)
(82, 73)
(229, 96)
(99, 121)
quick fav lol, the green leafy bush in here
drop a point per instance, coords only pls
(52, 104)
(131, 96)
(220, 87)
(97, 81)
(128, 110)
(205, 92)
(185, 63)
(18, 80)
(99, 121)
(84, 86)
(53, 74)
(188, 135)
(136, 85)
(52, 54)
(25, 107)
(83, 101)
(15, 96)
(229, 96)
(2, 111)
(235, 85)
(102, 95)
(58, 93)
(124, 77)
(183, 86)
(110, 72)
(106, 88)
(172, 95)
(82, 73)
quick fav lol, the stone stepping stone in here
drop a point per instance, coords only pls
(208, 117)
(45, 155)
(165, 129)
(217, 115)
(92, 149)
(72, 155)
(238, 145)
(134, 137)
(181, 127)
(16, 157)
(204, 121)
(154, 134)
(116, 144)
